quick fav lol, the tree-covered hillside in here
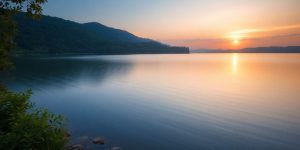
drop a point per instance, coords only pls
(51, 35)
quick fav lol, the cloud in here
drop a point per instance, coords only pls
(199, 40)
(224, 43)
(278, 28)
(196, 40)
(273, 37)
(241, 33)
(247, 37)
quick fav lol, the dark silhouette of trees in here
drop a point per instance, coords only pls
(8, 27)
(22, 126)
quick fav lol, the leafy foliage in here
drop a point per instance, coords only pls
(33, 7)
(24, 127)
(11, 106)
(8, 26)
(7, 33)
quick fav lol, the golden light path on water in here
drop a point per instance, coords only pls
(234, 63)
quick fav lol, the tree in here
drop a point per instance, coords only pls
(8, 27)
(22, 126)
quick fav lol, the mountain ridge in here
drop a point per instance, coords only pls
(53, 35)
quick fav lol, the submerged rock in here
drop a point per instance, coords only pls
(68, 134)
(98, 140)
(83, 139)
(76, 147)
(115, 148)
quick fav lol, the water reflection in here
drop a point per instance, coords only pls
(64, 72)
(206, 101)
(234, 61)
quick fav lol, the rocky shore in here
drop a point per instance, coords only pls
(88, 143)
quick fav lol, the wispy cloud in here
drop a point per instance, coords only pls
(224, 39)
(242, 34)
(221, 43)
(278, 28)
(195, 40)
(275, 37)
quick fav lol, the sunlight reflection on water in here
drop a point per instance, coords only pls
(196, 101)
(235, 63)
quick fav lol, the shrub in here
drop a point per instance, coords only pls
(22, 126)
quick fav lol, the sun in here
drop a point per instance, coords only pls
(236, 42)
(236, 39)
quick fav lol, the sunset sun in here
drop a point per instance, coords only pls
(236, 42)
(236, 39)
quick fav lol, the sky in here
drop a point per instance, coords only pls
(198, 24)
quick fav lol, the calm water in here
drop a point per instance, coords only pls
(172, 102)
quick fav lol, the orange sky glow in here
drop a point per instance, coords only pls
(207, 24)
(232, 24)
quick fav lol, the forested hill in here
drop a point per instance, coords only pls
(52, 35)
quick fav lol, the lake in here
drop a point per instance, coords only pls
(171, 102)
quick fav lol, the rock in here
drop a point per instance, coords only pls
(83, 139)
(98, 140)
(115, 148)
(77, 147)
(68, 134)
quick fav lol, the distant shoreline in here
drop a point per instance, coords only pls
(288, 49)
(245, 52)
